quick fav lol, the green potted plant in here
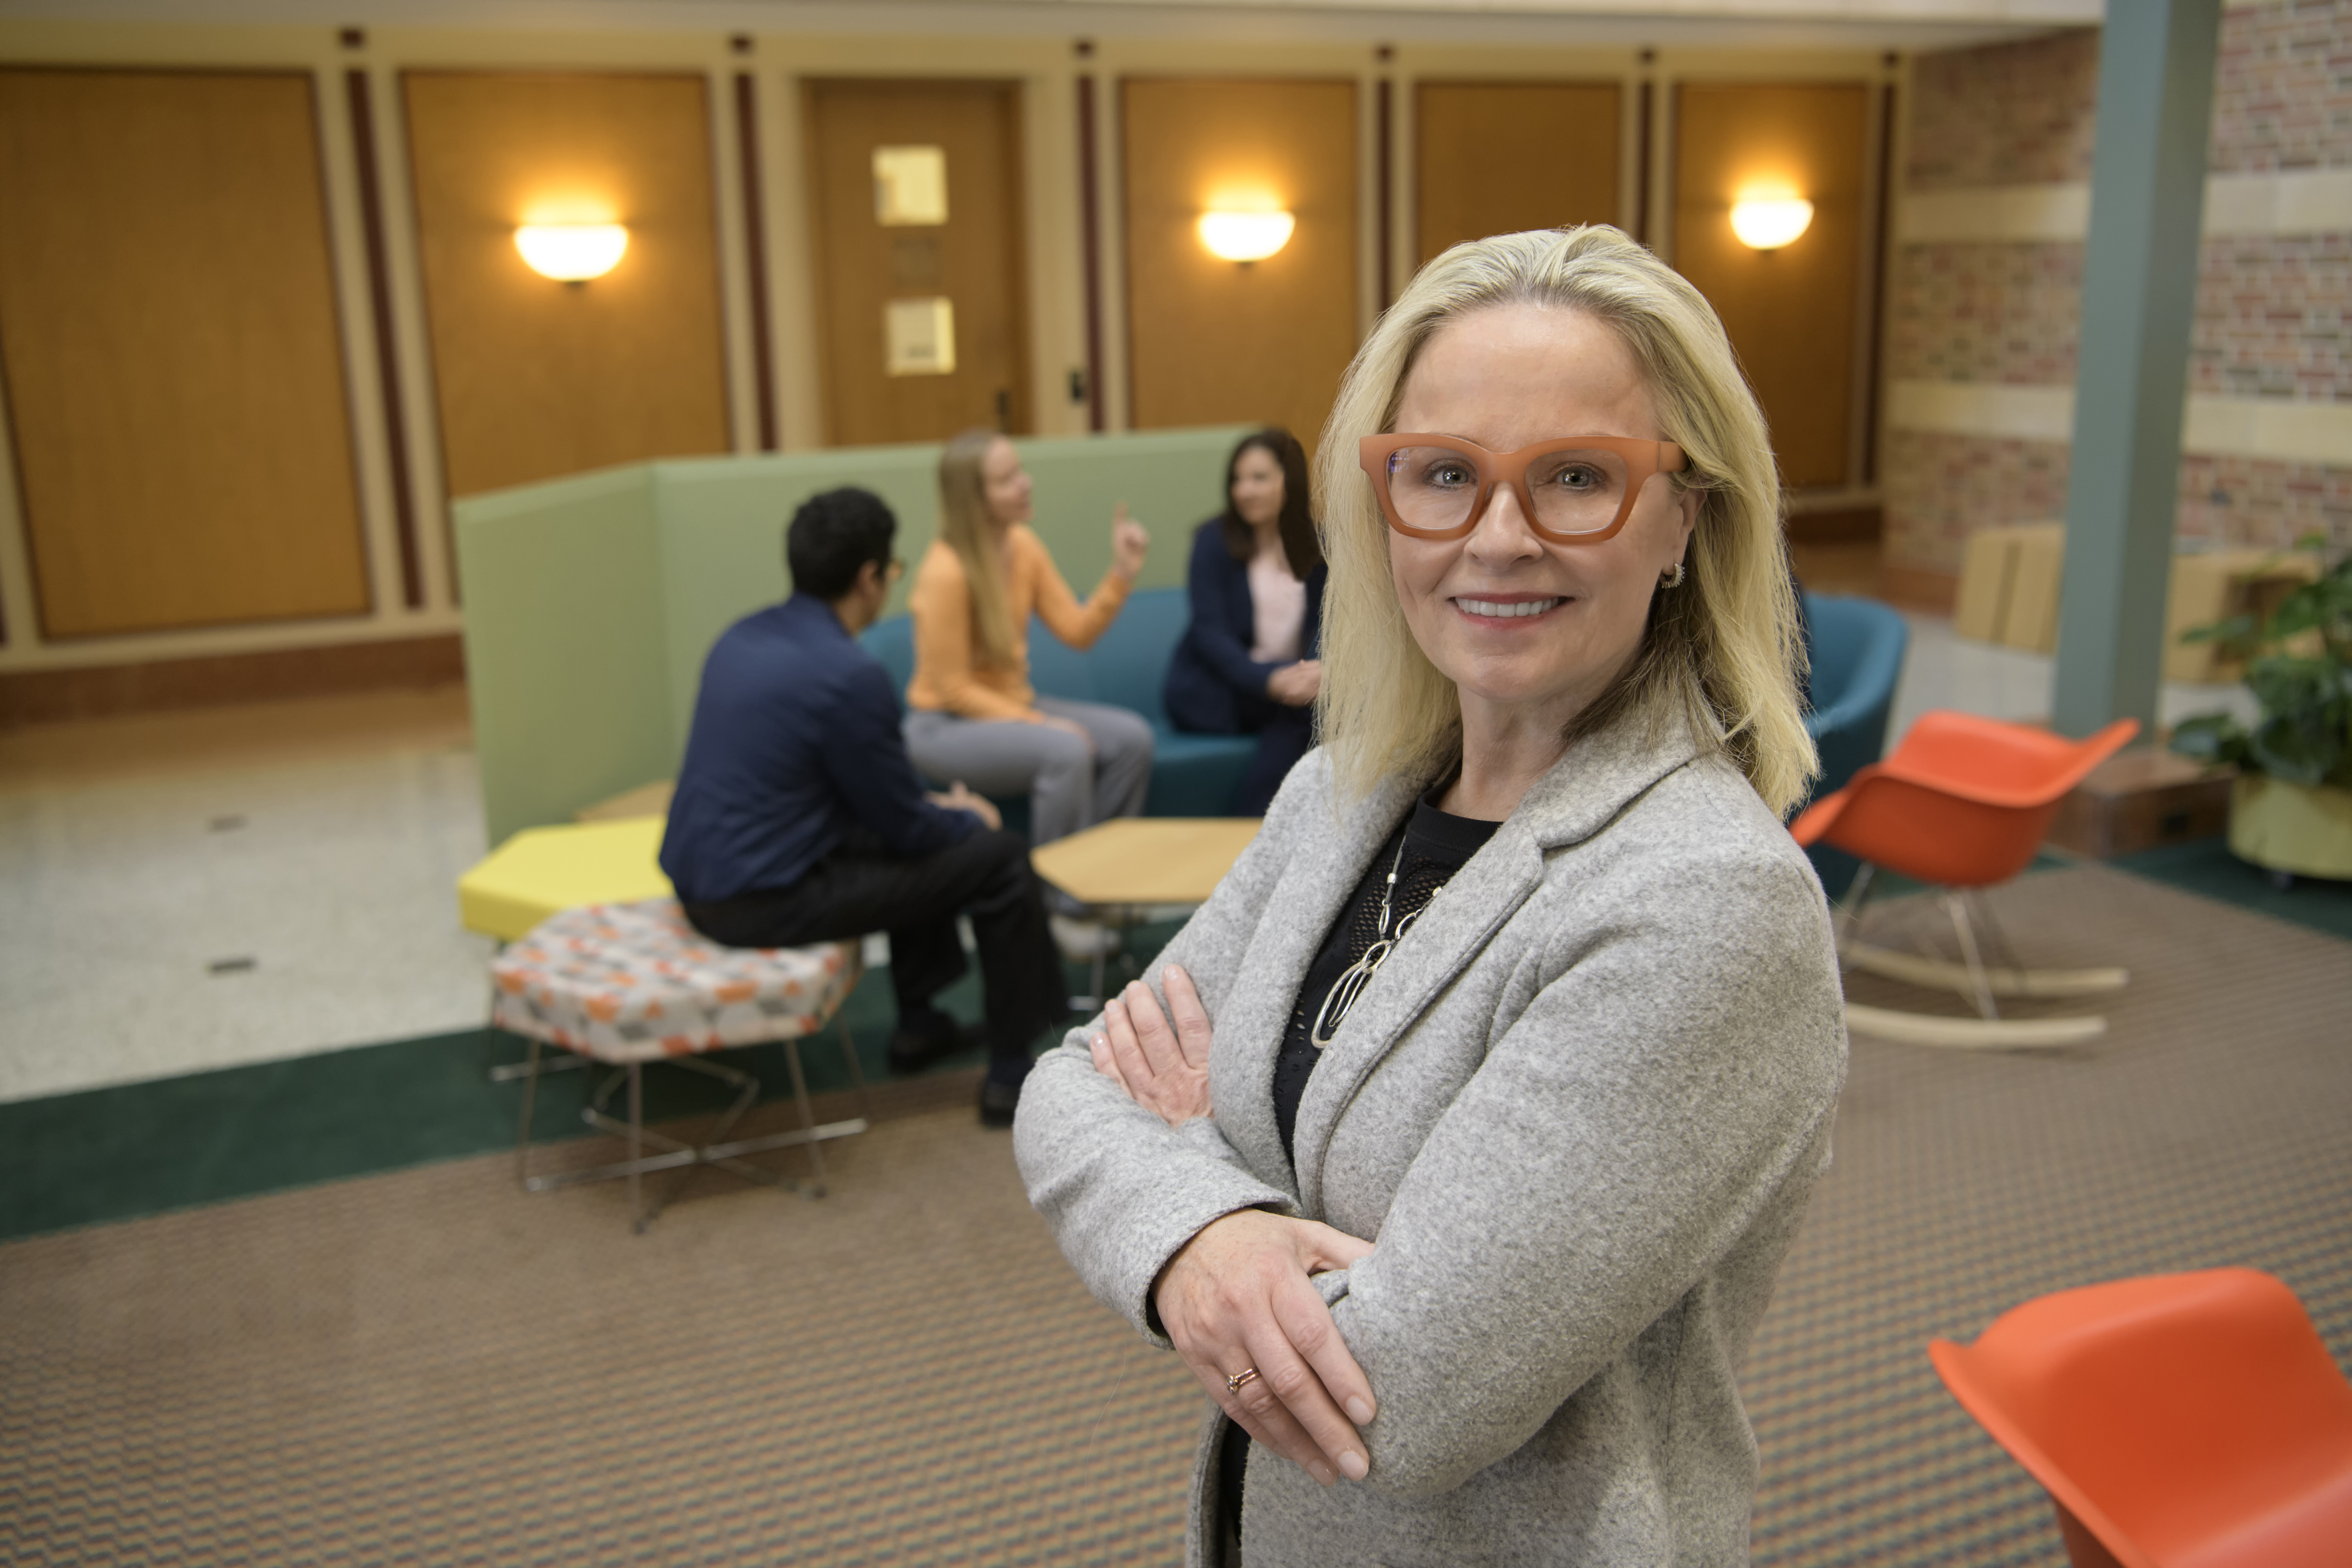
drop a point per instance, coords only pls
(2291, 805)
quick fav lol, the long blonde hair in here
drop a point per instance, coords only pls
(1721, 652)
(964, 529)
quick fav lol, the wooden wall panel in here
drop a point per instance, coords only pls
(168, 329)
(537, 378)
(1212, 340)
(974, 258)
(1791, 313)
(1496, 157)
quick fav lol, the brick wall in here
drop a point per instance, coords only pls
(2274, 318)
(1954, 485)
(2263, 505)
(1986, 312)
(2014, 114)
(2273, 312)
(2283, 98)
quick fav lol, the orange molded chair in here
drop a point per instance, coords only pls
(1963, 802)
(2178, 1421)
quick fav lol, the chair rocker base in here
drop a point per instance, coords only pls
(1943, 974)
(1973, 978)
(1971, 1034)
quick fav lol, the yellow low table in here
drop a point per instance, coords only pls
(543, 870)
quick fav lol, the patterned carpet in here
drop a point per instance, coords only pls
(426, 1366)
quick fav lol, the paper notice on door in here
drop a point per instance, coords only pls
(911, 186)
(919, 337)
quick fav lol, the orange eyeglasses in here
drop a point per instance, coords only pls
(1572, 490)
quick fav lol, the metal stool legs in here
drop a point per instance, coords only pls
(686, 1157)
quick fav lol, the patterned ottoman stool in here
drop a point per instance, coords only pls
(631, 984)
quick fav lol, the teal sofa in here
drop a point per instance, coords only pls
(1192, 775)
(591, 602)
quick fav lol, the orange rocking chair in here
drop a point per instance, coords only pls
(2178, 1421)
(1963, 802)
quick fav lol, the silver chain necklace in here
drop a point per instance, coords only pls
(1342, 997)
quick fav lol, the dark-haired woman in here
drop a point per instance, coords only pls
(1247, 664)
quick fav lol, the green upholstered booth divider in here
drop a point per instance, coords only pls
(590, 601)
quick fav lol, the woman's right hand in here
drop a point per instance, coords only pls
(1129, 541)
(1163, 1068)
(1238, 1296)
(1295, 685)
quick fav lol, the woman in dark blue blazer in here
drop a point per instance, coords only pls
(1247, 664)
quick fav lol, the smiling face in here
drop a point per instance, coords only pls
(1004, 484)
(1258, 487)
(1524, 627)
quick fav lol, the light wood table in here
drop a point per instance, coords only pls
(1131, 862)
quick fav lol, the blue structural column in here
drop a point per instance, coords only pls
(2139, 294)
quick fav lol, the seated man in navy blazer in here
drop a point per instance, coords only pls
(799, 819)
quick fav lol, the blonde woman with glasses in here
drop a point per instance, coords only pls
(1456, 1142)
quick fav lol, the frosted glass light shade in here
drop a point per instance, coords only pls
(1245, 236)
(571, 252)
(1770, 222)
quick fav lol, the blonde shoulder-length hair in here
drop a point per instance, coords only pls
(1721, 651)
(964, 529)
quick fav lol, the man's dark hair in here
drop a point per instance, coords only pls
(833, 534)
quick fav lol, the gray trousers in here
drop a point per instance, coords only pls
(1069, 785)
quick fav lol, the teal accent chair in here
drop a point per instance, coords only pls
(1858, 648)
(1192, 775)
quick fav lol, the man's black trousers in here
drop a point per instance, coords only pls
(859, 888)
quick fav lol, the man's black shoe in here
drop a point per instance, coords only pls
(1000, 1094)
(998, 1101)
(912, 1050)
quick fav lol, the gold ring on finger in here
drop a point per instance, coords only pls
(1241, 1380)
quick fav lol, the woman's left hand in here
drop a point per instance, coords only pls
(1129, 541)
(1295, 685)
(1163, 1069)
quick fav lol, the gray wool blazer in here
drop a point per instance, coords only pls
(1578, 1112)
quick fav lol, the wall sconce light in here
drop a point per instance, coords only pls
(571, 252)
(1767, 222)
(1245, 236)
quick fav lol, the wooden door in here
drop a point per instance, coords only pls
(1211, 342)
(536, 378)
(1496, 157)
(174, 356)
(921, 327)
(1791, 313)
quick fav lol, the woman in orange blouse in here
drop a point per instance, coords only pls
(974, 716)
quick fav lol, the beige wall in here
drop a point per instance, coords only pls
(167, 314)
(1346, 237)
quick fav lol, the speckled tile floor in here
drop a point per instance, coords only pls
(253, 901)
